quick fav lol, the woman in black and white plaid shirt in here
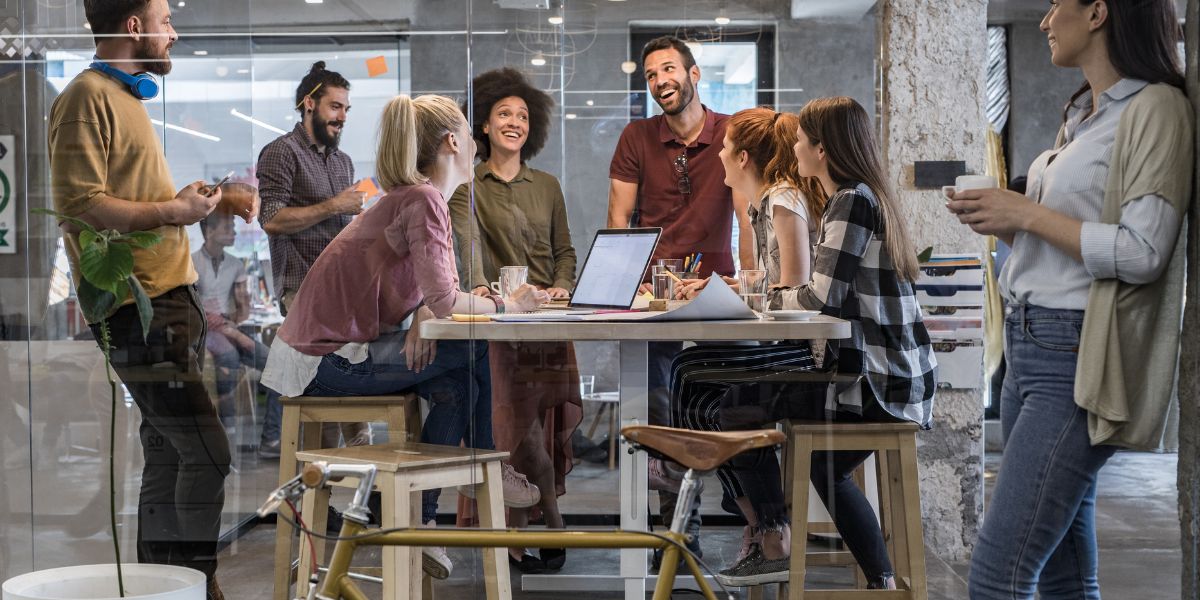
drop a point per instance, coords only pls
(864, 272)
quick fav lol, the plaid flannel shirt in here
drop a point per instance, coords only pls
(292, 172)
(854, 279)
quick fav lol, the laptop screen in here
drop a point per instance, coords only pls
(614, 267)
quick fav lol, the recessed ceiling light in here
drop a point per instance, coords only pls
(243, 71)
(200, 52)
(628, 67)
(538, 60)
(591, 103)
(314, 1)
(555, 19)
(570, 116)
(181, 4)
(722, 19)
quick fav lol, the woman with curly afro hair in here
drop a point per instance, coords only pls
(517, 216)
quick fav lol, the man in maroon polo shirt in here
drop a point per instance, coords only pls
(666, 173)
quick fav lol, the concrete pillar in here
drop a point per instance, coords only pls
(1189, 364)
(933, 58)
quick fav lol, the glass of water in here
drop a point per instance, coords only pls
(752, 287)
(587, 385)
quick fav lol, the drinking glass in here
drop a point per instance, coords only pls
(511, 278)
(664, 284)
(752, 287)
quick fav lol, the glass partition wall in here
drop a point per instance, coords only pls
(232, 91)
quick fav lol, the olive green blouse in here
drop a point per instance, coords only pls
(522, 222)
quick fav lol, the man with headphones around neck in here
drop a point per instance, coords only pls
(107, 168)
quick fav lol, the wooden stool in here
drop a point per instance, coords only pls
(900, 502)
(405, 470)
(401, 412)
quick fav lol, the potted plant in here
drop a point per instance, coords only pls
(106, 280)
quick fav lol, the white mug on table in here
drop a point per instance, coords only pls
(511, 278)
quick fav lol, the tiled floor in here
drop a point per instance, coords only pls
(1138, 523)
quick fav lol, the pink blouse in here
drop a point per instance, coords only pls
(395, 256)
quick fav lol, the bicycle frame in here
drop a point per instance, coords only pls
(337, 583)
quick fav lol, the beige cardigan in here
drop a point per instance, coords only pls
(1129, 348)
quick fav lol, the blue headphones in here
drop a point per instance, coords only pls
(143, 86)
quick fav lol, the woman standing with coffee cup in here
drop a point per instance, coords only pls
(518, 217)
(1095, 292)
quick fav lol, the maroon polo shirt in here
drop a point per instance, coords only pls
(699, 222)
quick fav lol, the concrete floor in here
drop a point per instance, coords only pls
(1137, 519)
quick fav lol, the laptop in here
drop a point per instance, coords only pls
(614, 269)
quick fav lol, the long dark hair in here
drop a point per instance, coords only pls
(1142, 38)
(844, 128)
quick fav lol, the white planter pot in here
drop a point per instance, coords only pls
(99, 582)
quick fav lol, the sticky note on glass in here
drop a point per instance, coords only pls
(376, 66)
(368, 186)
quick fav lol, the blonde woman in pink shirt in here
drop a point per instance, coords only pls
(344, 333)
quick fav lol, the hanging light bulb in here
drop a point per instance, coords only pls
(538, 60)
(556, 13)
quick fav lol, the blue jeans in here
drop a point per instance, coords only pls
(1039, 533)
(458, 386)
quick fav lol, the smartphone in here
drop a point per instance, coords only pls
(212, 190)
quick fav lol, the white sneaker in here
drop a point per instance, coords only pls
(434, 560)
(518, 492)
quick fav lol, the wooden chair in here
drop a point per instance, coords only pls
(301, 428)
(406, 469)
(900, 504)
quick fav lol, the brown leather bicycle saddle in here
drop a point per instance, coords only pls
(700, 450)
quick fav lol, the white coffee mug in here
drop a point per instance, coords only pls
(974, 182)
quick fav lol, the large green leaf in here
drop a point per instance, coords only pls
(141, 239)
(145, 310)
(95, 303)
(106, 265)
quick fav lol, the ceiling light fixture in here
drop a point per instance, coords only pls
(200, 52)
(87, 26)
(314, 1)
(555, 19)
(181, 4)
(591, 102)
(250, 119)
(538, 60)
(628, 67)
(722, 18)
(243, 71)
(570, 116)
(199, 134)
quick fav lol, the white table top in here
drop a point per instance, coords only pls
(821, 326)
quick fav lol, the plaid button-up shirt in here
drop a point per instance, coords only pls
(292, 173)
(853, 279)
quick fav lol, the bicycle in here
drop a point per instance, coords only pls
(699, 451)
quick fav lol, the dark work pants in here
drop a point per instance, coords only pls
(751, 406)
(185, 448)
(659, 356)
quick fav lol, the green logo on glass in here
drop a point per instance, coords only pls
(6, 194)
